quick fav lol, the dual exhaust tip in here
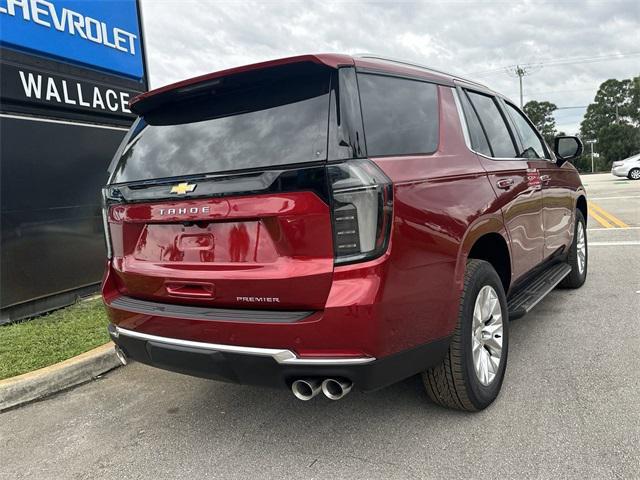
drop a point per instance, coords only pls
(333, 388)
(304, 389)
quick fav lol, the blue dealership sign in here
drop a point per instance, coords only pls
(102, 34)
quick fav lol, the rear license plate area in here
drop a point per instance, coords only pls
(203, 363)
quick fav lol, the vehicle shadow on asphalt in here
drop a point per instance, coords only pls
(406, 398)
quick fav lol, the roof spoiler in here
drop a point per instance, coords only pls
(158, 97)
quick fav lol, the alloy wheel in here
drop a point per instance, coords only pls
(486, 342)
(581, 248)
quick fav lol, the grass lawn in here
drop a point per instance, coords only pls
(49, 339)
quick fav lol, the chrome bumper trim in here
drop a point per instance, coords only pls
(282, 356)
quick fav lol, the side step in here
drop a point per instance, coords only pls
(538, 288)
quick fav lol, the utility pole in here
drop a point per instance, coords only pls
(520, 71)
(591, 142)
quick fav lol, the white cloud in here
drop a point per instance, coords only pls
(189, 38)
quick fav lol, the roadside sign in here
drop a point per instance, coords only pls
(100, 34)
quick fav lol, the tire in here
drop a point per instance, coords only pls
(634, 174)
(454, 383)
(578, 273)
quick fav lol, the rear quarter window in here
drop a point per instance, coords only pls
(400, 115)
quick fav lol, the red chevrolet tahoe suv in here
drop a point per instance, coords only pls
(326, 221)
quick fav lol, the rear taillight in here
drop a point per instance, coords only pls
(362, 210)
(110, 196)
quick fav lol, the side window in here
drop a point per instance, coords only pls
(496, 129)
(478, 138)
(531, 143)
(400, 116)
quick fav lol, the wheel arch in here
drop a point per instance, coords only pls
(493, 248)
(581, 204)
(487, 239)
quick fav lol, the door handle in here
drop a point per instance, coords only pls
(505, 183)
(545, 178)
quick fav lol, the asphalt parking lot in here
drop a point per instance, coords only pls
(569, 408)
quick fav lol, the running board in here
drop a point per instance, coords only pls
(529, 296)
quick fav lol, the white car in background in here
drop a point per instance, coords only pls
(629, 167)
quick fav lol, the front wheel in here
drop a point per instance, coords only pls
(634, 174)
(470, 376)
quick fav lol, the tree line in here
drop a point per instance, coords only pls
(612, 120)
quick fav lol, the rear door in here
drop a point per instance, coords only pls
(221, 198)
(557, 213)
(515, 180)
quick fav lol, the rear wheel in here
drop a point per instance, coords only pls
(578, 256)
(471, 374)
(634, 174)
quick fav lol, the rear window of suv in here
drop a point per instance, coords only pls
(281, 120)
(400, 115)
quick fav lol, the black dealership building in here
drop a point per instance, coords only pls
(64, 92)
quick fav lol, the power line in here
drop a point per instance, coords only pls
(549, 92)
(565, 61)
(559, 62)
(570, 108)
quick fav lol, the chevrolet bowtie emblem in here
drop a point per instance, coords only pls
(183, 188)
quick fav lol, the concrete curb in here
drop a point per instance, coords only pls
(46, 381)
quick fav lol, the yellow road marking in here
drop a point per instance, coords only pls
(599, 219)
(608, 216)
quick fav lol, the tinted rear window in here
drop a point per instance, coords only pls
(400, 116)
(279, 121)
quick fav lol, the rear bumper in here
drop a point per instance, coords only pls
(272, 367)
(351, 324)
(370, 331)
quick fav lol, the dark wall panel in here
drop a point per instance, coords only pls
(51, 226)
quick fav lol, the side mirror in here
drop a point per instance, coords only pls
(567, 148)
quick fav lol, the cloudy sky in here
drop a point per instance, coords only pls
(480, 39)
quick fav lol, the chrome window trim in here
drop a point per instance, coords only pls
(513, 159)
(282, 356)
(462, 118)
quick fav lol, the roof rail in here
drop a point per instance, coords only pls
(423, 67)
